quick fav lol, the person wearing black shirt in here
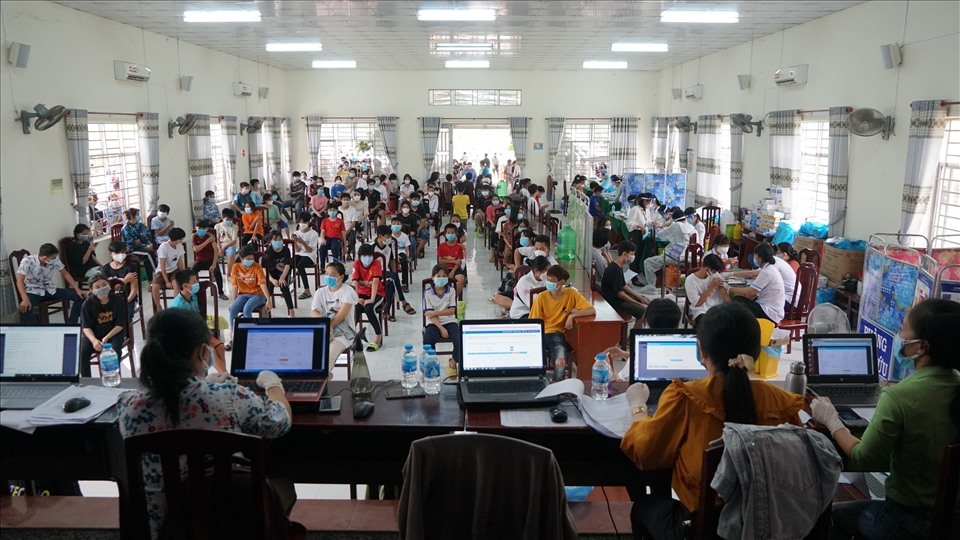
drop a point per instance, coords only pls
(614, 288)
(279, 263)
(103, 319)
(421, 209)
(81, 262)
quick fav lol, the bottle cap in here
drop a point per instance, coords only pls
(107, 346)
(408, 347)
(797, 368)
(601, 356)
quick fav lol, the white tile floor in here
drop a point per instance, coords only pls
(385, 363)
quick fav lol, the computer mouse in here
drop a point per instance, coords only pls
(75, 404)
(558, 415)
(362, 409)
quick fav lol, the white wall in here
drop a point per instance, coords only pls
(843, 51)
(71, 64)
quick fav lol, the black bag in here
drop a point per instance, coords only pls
(507, 285)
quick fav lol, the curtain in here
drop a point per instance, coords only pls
(200, 162)
(255, 141)
(313, 143)
(623, 145)
(927, 125)
(518, 132)
(659, 132)
(148, 142)
(785, 148)
(554, 138)
(430, 132)
(388, 134)
(736, 165)
(673, 142)
(78, 154)
(683, 142)
(228, 125)
(837, 166)
(286, 165)
(273, 155)
(8, 300)
(711, 184)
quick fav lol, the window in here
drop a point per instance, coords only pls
(502, 98)
(946, 198)
(217, 143)
(353, 140)
(809, 200)
(584, 147)
(114, 172)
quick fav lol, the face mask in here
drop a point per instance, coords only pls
(304, 226)
(201, 232)
(161, 215)
(456, 223)
(119, 257)
(267, 203)
(404, 211)
(395, 228)
(440, 281)
(366, 260)
(550, 285)
(608, 227)
(539, 253)
(102, 291)
(722, 251)
(406, 182)
(521, 229)
(277, 244)
(906, 362)
(356, 197)
(330, 281)
(139, 219)
(451, 237)
(606, 246)
(248, 263)
(415, 203)
(506, 212)
(338, 182)
(228, 223)
(244, 191)
(495, 203)
(352, 175)
(248, 210)
(195, 288)
(632, 258)
(524, 241)
(377, 183)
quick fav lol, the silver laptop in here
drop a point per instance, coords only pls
(657, 357)
(502, 364)
(843, 367)
(37, 361)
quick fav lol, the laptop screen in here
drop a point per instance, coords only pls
(39, 352)
(664, 356)
(840, 357)
(500, 347)
(291, 348)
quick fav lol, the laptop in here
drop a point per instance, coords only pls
(296, 349)
(502, 364)
(657, 357)
(37, 362)
(842, 367)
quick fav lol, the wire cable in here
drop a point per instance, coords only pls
(616, 532)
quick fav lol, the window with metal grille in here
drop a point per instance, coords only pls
(439, 98)
(352, 140)
(809, 199)
(224, 191)
(114, 172)
(584, 147)
(946, 199)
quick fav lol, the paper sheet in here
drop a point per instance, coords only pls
(865, 412)
(609, 417)
(51, 412)
(16, 419)
(539, 418)
(804, 417)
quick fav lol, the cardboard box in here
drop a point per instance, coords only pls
(840, 262)
(806, 242)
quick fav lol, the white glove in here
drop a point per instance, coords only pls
(218, 378)
(637, 395)
(268, 379)
(826, 414)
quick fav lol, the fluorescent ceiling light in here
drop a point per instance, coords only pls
(457, 14)
(467, 63)
(334, 64)
(234, 15)
(294, 47)
(624, 46)
(681, 16)
(453, 47)
(604, 64)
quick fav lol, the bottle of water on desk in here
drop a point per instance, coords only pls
(109, 366)
(431, 372)
(408, 366)
(600, 378)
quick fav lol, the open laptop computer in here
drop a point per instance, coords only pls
(296, 349)
(657, 357)
(502, 364)
(842, 367)
(37, 361)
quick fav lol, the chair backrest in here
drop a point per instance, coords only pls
(947, 491)
(711, 235)
(209, 288)
(692, 256)
(520, 271)
(808, 255)
(62, 246)
(115, 235)
(198, 505)
(534, 292)
(15, 258)
(707, 517)
(710, 215)
(804, 292)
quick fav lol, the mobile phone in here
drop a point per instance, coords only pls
(850, 418)
(402, 393)
(330, 403)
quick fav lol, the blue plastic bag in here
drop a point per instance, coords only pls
(826, 296)
(577, 493)
(850, 245)
(785, 233)
(814, 230)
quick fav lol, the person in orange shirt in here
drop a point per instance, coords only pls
(691, 414)
(249, 289)
(252, 224)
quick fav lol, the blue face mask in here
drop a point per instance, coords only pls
(277, 244)
(451, 237)
(506, 212)
(248, 210)
(519, 216)
(906, 362)
(415, 203)
(440, 281)
(524, 241)
(330, 281)
(395, 228)
(550, 285)
(139, 219)
(201, 232)
(247, 262)
(195, 288)
(366, 260)
(332, 213)
(521, 229)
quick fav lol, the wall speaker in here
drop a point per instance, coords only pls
(743, 81)
(19, 54)
(186, 83)
(264, 92)
(676, 93)
(891, 55)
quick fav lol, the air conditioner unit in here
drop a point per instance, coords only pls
(791, 75)
(694, 92)
(128, 71)
(241, 89)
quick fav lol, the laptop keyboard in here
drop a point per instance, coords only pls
(875, 485)
(504, 387)
(17, 391)
(289, 386)
(846, 391)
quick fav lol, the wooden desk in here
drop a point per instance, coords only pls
(595, 334)
(748, 241)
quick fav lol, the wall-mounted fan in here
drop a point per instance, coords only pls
(869, 122)
(253, 126)
(46, 118)
(685, 125)
(183, 125)
(746, 123)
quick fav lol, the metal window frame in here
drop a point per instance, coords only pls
(128, 151)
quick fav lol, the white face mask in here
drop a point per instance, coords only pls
(119, 257)
(539, 253)
(722, 251)
(304, 226)
(356, 197)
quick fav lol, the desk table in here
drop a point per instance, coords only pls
(594, 334)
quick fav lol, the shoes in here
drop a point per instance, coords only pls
(223, 297)
(304, 295)
(406, 288)
(373, 346)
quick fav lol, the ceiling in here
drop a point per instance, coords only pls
(527, 35)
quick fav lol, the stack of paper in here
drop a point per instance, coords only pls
(610, 417)
(52, 413)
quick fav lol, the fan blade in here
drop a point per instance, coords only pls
(747, 128)
(50, 118)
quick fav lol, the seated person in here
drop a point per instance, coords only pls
(228, 236)
(661, 314)
(693, 219)
(787, 275)
(406, 188)
(559, 307)
(211, 212)
(336, 301)
(206, 253)
(595, 210)
(483, 201)
(161, 225)
(305, 241)
(765, 296)
(678, 232)
(460, 202)
(35, 283)
(279, 269)
(103, 319)
(241, 199)
(351, 224)
(691, 414)
(252, 224)
(137, 239)
(318, 203)
(432, 200)
(615, 289)
(367, 279)
(187, 299)
(274, 221)
(786, 252)
(384, 246)
(80, 254)
(520, 305)
(423, 212)
(721, 248)
(705, 287)
(249, 286)
(490, 211)
(600, 256)
(451, 254)
(332, 228)
(440, 311)
(540, 248)
(461, 228)
(125, 267)
(170, 258)
(175, 395)
(403, 248)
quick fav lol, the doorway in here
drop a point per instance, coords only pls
(469, 142)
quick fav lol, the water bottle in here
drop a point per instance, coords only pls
(109, 366)
(408, 365)
(796, 380)
(431, 372)
(600, 377)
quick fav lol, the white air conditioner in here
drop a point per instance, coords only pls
(241, 89)
(694, 92)
(128, 71)
(791, 75)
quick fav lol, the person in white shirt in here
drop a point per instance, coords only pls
(787, 275)
(540, 248)
(520, 307)
(336, 301)
(678, 232)
(351, 218)
(764, 297)
(403, 249)
(406, 189)
(721, 248)
(705, 288)
(170, 258)
(307, 243)
(694, 219)
(636, 216)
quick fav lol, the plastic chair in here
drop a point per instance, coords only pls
(44, 308)
(804, 298)
(943, 506)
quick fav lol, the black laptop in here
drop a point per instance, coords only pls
(37, 361)
(843, 367)
(657, 357)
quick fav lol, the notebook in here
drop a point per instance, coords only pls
(502, 364)
(657, 357)
(842, 367)
(296, 349)
(37, 361)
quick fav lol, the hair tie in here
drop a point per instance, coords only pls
(742, 361)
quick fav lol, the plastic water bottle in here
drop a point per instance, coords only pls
(431, 372)
(109, 366)
(600, 377)
(409, 367)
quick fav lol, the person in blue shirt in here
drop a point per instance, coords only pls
(595, 209)
(137, 239)
(189, 285)
(241, 199)
(210, 209)
(337, 188)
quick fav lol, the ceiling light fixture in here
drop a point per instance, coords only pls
(624, 46)
(234, 15)
(716, 17)
(294, 47)
(334, 64)
(604, 64)
(470, 47)
(467, 64)
(457, 15)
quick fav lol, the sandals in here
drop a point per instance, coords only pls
(391, 318)
(373, 346)
(409, 309)
(304, 295)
